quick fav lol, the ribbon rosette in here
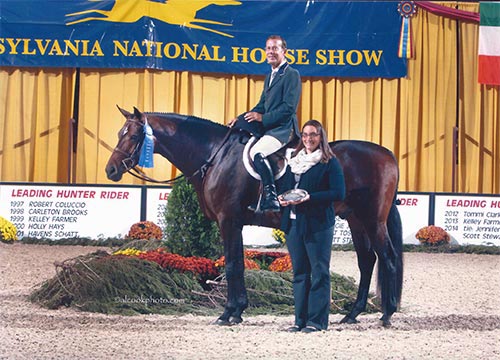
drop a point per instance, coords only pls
(406, 9)
(146, 157)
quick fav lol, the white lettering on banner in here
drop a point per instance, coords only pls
(56, 212)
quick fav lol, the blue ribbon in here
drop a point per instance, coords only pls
(405, 40)
(146, 157)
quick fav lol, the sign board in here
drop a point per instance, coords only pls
(414, 210)
(58, 212)
(471, 220)
(156, 203)
(97, 212)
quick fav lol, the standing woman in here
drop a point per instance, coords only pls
(308, 224)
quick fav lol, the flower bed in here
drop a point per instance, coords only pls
(206, 269)
(263, 260)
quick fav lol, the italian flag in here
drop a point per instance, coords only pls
(489, 43)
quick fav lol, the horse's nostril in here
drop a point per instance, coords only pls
(110, 171)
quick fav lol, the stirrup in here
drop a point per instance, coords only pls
(256, 207)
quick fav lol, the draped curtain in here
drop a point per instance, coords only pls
(414, 116)
(35, 112)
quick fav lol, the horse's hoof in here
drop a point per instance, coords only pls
(222, 322)
(235, 320)
(386, 322)
(348, 320)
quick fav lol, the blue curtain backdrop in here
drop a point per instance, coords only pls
(335, 39)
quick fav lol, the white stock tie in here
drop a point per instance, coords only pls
(273, 74)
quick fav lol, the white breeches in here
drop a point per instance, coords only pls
(266, 145)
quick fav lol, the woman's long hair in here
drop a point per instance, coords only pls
(325, 148)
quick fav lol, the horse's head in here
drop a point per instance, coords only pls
(130, 139)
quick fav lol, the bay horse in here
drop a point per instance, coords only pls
(210, 156)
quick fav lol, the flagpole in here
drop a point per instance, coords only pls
(455, 158)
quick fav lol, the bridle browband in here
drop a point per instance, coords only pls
(132, 170)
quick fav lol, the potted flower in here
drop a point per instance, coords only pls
(433, 235)
(145, 230)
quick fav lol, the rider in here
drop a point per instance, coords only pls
(277, 112)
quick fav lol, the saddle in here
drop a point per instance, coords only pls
(250, 133)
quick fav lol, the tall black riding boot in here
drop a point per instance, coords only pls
(269, 198)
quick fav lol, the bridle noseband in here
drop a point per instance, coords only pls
(128, 161)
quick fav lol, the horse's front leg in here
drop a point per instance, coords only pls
(237, 300)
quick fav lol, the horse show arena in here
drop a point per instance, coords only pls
(450, 310)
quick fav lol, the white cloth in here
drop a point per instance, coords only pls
(304, 161)
(271, 78)
(274, 72)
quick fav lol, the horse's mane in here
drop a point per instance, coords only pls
(190, 118)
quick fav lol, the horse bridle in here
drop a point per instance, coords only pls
(135, 152)
(132, 169)
(128, 161)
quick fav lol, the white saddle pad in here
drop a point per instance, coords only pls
(249, 167)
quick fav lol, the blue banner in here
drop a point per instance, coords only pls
(325, 38)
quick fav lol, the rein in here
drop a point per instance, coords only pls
(139, 174)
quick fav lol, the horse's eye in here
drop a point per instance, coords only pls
(134, 137)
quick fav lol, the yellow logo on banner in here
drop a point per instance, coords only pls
(174, 12)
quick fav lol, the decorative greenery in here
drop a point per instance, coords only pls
(433, 236)
(120, 285)
(162, 283)
(444, 249)
(80, 241)
(8, 231)
(145, 230)
(188, 232)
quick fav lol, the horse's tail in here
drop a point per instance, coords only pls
(395, 229)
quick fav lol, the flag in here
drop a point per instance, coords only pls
(489, 43)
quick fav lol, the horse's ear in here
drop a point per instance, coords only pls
(137, 113)
(124, 112)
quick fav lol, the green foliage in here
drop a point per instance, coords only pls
(126, 285)
(77, 241)
(454, 249)
(445, 249)
(120, 285)
(272, 292)
(188, 232)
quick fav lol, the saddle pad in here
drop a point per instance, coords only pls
(249, 166)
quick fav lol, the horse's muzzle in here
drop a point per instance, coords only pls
(113, 173)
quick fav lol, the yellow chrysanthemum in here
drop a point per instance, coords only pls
(8, 231)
